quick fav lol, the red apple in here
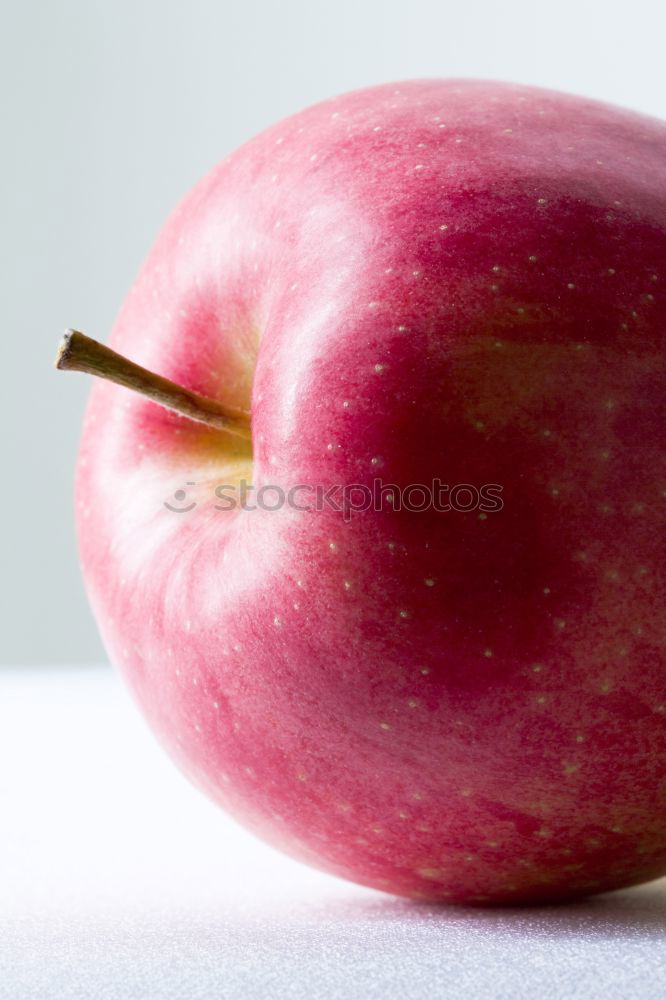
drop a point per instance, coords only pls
(450, 280)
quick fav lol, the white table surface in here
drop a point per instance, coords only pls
(119, 880)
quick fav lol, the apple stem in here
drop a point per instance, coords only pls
(79, 353)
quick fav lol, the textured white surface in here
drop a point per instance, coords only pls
(118, 880)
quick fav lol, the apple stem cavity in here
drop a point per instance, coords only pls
(79, 353)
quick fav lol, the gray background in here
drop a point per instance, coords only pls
(111, 110)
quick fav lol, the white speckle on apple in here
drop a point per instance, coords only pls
(347, 584)
(429, 872)
(385, 726)
(429, 582)
(488, 653)
(333, 546)
(374, 461)
(403, 613)
(379, 368)
(532, 259)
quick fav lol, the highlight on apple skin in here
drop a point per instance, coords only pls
(443, 279)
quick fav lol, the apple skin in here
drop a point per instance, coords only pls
(439, 278)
